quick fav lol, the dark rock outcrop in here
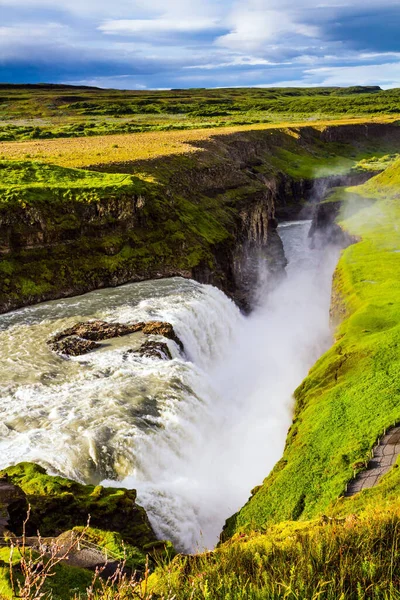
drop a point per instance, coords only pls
(73, 345)
(161, 328)
(13, 505)
(151, 349)
(97, 331)
(324, 229)
(155, 350)
(84, 337)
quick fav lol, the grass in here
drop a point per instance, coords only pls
(353, 392)
(62, 585)
(354, 558)
(45, 112)
(26, 183)
(88, 151)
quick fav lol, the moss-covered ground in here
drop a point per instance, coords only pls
(118, 527)
(59, 504)
(353, 392)
(30, 183)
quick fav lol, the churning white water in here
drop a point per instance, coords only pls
(192, 435)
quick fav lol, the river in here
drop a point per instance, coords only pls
(192, 435)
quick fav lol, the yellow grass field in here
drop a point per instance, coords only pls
(87, 151)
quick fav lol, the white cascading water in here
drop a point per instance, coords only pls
(192, 435)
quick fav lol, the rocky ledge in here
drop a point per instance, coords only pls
(60, 509)
(86, 336)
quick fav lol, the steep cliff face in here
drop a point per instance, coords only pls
(210, 215)
(27, 227)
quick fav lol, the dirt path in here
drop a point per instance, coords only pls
(385, 455)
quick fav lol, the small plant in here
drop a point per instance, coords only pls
(34, 569)
(37, 565)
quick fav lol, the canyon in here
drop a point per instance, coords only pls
(206, 216)
(232, 249)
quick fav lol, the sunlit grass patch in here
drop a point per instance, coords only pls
(87, 151)
(340, 558)
(27, 182)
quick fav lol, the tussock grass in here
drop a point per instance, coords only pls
(353, 558)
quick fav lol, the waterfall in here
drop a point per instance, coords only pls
(193, 435)
(224, 440)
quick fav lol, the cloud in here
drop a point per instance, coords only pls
(153, 26)
(387, 74)
(19, 41)
(253, 29)
(236, 61)
(180, 43)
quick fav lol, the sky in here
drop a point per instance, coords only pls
(159, 44)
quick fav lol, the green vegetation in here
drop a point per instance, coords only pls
(30, 183)
(59, 504)
(352, 558)
(45, 112)
(63, 585)
(352, 393)
(59, 510)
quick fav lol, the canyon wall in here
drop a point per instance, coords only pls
(210, 215)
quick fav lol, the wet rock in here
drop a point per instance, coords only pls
(85, 336)
(99, 330)
(151, 349)
(164, 329)
(73, 346)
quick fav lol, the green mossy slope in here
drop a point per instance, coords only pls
(353, 392)
(59, 504)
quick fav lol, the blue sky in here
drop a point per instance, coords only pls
(140, 44)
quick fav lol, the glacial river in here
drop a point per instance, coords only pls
(193, 435)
